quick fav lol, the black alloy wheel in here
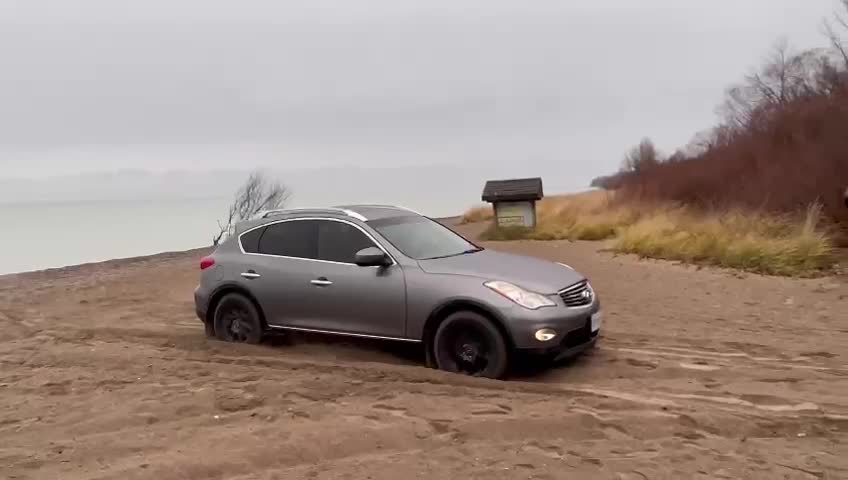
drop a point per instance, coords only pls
(469, 343)
(237, 320)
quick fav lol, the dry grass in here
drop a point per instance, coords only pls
(585, 216)
(756, 242)
(477, 214)
(742, 240)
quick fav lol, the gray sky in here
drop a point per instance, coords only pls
(92, 85)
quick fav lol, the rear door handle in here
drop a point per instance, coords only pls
(250, 275)
(321, 282)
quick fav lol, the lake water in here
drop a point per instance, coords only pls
(47, 235)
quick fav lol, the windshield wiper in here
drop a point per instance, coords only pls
(464, 252)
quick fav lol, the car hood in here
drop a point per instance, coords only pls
(527, 272)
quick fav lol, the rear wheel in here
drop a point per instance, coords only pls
(237, 320)
(469, 343)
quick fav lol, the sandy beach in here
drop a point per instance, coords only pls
(699, 374)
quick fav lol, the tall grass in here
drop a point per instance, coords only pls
(751, 241)
(586, 216)
(742, 240)
(477, 214)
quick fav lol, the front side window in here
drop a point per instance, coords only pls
(339, 241)
(297, 238)
(421, 238)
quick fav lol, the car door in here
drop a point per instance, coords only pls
(352, 299)
(278, 268)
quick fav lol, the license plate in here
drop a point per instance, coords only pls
(597, 319)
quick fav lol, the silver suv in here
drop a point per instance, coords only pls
(389, 273)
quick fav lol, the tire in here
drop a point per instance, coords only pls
(237, 320)
(467, 342)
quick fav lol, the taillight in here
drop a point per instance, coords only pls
(206, 262)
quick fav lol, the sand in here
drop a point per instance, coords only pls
(105, 373)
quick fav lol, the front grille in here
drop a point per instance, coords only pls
(577, 295)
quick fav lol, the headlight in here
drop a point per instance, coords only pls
(520, 296)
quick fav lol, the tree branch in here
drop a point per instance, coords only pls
(255, 195)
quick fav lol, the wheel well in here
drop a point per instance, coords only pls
(217, 296)
(440, 314)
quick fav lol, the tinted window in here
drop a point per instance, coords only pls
(339, 242)
(296, 238)
(250, 240)
(421, 238)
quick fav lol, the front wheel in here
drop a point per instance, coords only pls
(237, 320)
(467, 342)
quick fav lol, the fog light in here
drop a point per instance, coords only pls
(545, 335)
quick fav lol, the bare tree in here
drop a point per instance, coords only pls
(257, 194)
(784, 77)
(833, 77)
(641, 157)
(737, 110)
(678, 156)
(765, 86)
(700, 143)
(840, 20)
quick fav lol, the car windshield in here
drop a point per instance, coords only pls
(421, 238)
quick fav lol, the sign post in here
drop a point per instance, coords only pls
(514, 201)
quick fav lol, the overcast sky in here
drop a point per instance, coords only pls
(92, 85)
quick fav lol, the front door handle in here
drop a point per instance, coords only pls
(250, 274)
(321, 282)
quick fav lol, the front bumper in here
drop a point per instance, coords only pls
(566, 350)
(573, 326)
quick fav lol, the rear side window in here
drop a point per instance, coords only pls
(339, 241)
(297, 238)
(250, 240)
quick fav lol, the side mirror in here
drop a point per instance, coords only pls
(372, 257)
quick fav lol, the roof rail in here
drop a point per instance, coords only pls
(398, 207)
(333, 210)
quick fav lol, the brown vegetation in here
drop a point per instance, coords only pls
(761, 191)
(788, 161)
(781, 145)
